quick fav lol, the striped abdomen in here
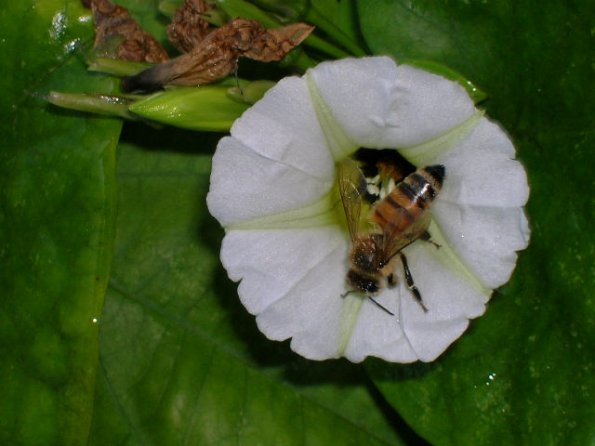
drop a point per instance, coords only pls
(409, 200)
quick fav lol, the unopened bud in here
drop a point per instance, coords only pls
(205, 108)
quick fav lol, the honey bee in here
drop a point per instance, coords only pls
(398, 218)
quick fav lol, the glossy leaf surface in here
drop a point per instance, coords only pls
(180, 360)
(57, 209)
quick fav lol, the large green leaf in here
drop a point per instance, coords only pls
(56, 216)
(181, 360)
(523, 374)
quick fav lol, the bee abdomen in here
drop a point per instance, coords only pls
(410, 199)
(436, 172)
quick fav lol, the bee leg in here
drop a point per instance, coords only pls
(411, 284)
(426, 237)
(391, 280)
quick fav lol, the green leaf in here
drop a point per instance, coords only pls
(57, 209)
(181, 360)
(523, 374)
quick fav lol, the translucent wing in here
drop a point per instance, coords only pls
(393, 243)
(352, 185)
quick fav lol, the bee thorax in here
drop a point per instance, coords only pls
(367, 255)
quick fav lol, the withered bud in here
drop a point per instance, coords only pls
(188, 26)
(217, 54)
(113, 22)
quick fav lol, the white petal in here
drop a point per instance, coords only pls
(293, 281)
(283, 126)
(380, 334)
(445, 291)
(450, 298)
(381, 105)
(481, 170)
(273, 262)
(246, 185)
(485, 238)
(430, 338)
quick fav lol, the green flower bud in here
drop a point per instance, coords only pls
(116, 67)
(100, 104)
(207, 108)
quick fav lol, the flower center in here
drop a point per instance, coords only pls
(382, 169)
(378, 173)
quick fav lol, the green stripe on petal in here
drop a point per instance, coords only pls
(428, 152)
(320, 213)
(340, 145)
(450, 258)
(349, 317)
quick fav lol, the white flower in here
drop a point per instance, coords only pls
(273, 188)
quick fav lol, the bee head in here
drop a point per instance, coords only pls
(361, 282)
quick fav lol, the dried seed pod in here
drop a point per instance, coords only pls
(216, 55)
(188, 26)
(113, 22)
(273, 44)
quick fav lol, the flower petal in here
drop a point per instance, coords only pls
(271, 263)
(445, 291)
(450, 298)
(245, 185)
(381, 105)
(485, 238)
(283, 127)
(482, 171)
(430, 338)
(378, 333)
(293, 281)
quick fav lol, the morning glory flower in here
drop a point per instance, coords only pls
(274, 190)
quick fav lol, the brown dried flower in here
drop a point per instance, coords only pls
(188, 27)
(114, 22)
(216, 55)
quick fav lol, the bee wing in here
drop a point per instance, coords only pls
(393, 243)
(352, 183)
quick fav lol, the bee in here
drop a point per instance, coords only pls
(398, 218)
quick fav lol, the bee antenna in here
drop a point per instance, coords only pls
(378, 304)
(382, 307)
